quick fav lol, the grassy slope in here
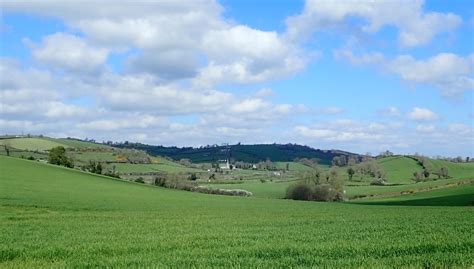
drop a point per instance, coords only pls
(294, 166)
(45, 143)
(399, 169)
(51, 216)
(31, 144)
(456, 196)
(146, 168)
(268, 189)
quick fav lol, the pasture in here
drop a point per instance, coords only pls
(58, 217)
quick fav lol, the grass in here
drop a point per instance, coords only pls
(45, 143)
(154, 167)
(456, 196)
(275, 190)
(399, 169)
(293, 166)
(30, 144)
(57, 217)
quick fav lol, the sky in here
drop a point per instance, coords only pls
(361, 76)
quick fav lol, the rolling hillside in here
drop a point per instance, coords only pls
(245, 153)
(57, 217)
(46, 143)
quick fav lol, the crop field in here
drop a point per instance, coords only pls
(154, 167)
(258, 189)
(462, 195)
(30, 144)
(57, 217)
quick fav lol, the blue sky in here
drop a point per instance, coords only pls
(353, 75)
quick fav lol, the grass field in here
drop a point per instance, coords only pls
(456, 196)
(56, 217)
(399, 169)
(154, 167)
(30, 144)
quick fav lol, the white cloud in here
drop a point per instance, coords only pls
(174, 40)
(265, 92)
(415, 26)
(364, 59)
(422, 114)
(425, 128)
(137, 121)
(450, 73)
(460, 128)
(69, 52)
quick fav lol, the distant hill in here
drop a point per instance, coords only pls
(42, 143)
(244, 153)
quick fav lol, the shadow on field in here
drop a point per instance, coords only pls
(453, 200)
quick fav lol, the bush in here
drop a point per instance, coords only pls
(300, 191)
(263, 180)
(193, 177)
(378, 182)
(94, 167)
(140, 180)
(57, 155)
(308, 191)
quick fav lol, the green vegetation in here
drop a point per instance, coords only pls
(30, 144)
(57, 156)
(455, 196)
(57, 217)
(244, 153)
(400, 169)
(46, 143)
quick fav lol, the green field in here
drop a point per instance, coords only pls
(57, 217)
(46, 143)
(462, 195)
(154, 167)
(399, 169)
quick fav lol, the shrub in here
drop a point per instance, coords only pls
(94, 167)
(193, 177)
(140, 180)
(300, 191)
(57, 155)
(263, 180)
(444, 172)
(418, 176)
(378, 182)
(308, 191)
(112, 174)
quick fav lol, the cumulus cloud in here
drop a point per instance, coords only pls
(69, 52)
(415, 26)
(448, 72)
(422, 114)
(427, 128)
(174, 40)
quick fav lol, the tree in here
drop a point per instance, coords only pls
(339, 161)
(193, 177)
(418, 176)
(287, 166)
(352, 161)
(95, 167)
(7, 149)
(426, 172)
(350, 172)
(443, 172)
(57, 155)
